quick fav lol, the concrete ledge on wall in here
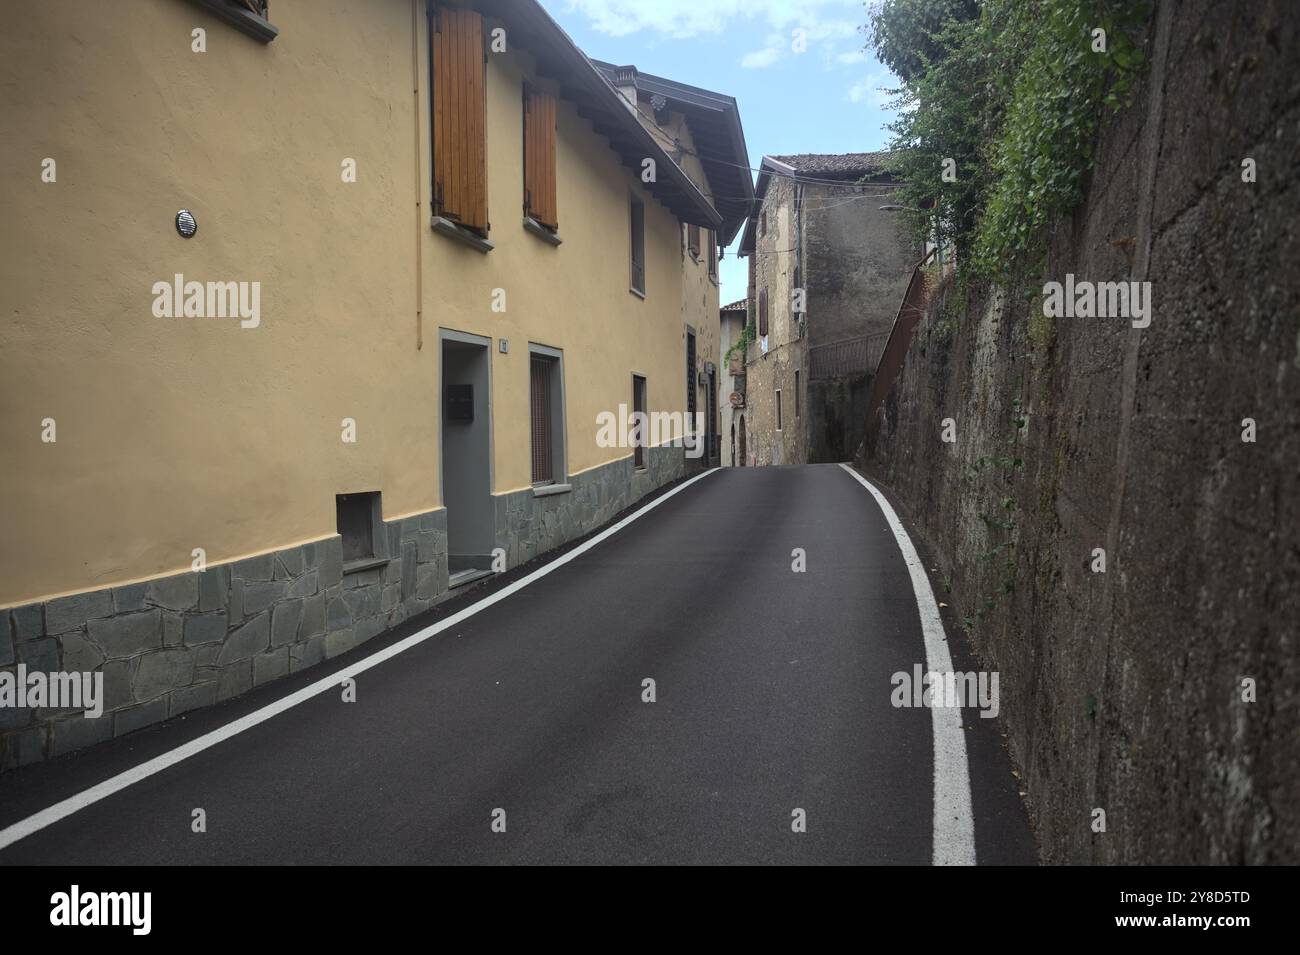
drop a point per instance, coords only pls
(245, 21)
(539, 230)
(462, 235)
(546, 490)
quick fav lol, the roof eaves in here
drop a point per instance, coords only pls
(591, 80)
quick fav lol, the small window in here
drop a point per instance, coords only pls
(762, 313)
(762, 224)
(713, 253)
(546, 416)
(693, 241)
(636, 218)
(690, 375)
(539, 157)
(796, 393)
(638, 409)
(778, 409)
(356, 521)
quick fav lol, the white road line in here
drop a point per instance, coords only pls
(65, 808)
(954, 826)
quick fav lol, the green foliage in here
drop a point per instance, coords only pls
(1014, 95)
(903, 32)
(1046, 144)
(741, 343)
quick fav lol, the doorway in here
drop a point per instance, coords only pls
(740, 436)
(467, 456)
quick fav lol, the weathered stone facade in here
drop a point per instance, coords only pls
(175, 643)
(852, 259)
(773, 359)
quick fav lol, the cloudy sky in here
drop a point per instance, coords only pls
(828, 98)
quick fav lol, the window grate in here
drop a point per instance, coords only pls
(690, 377)
(638, 407)
(540, 371)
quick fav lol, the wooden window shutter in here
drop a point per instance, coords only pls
(762, 312)
(539, 157)
(459, 137)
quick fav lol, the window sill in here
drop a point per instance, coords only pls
(637, 292)
(539, 230)
(245, 21)
(452, 231)
(363, 563)
(546, 490)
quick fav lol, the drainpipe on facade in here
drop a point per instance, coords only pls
(419, 229)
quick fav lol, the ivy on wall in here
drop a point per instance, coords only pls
(999, 110)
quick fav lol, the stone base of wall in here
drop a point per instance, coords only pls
(174, 644)
(837, 417)
(528, 525)
(177, 643)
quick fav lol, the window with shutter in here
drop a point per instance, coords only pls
(539, 157)
(693, 241)
(712, 253)
(762, 313)
(459, 140)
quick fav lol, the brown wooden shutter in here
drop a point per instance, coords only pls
(693, 240)
(539, 157)
(762, 312)
(459, 139)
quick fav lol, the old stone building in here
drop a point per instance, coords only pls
(829, 262)
(732, 320)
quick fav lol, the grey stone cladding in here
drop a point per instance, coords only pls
(176, 643)
(528, 525)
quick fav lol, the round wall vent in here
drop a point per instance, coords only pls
(186, 224)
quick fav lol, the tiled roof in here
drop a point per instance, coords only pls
(737, 306)
(835, 164)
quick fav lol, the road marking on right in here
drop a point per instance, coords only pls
(954, 825)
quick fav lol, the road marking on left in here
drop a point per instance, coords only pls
(61, 810)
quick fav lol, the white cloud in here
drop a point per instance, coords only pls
(761, 59)
(855, 56)
(872, 89)
(688, 18)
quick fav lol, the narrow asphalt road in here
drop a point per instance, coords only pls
(773, 695)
